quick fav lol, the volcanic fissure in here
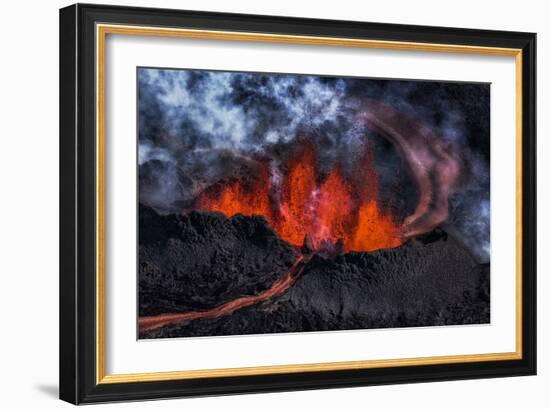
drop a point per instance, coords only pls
(336, 213)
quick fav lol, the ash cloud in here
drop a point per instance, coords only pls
(199, 127)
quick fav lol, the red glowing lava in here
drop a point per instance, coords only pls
(333, 212)
(279, 287)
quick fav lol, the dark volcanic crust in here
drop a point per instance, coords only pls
(201, 260)
(430, 280)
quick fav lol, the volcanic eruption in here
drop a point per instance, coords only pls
(314, 230)
(325, 214)
(336, 213)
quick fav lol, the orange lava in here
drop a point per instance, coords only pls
(236, 197)
(294, 214)
(336, 209)
(374, 230)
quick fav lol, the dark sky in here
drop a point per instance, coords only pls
(199, 127)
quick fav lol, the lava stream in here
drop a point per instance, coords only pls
(278, 288)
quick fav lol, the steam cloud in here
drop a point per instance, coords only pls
(199, 127)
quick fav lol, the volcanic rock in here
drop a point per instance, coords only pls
(199, 260)
(204, 259)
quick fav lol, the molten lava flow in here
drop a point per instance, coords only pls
(335, 213)
(238, 197)
(373, 229)
(279, 287)
(334, 208)
(295, 214)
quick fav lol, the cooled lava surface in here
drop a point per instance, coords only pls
(205, 274)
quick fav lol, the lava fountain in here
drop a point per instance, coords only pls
(331, 214)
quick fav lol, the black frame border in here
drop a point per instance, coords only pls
(78, 204)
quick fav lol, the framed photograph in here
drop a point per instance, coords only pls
(257, 203)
